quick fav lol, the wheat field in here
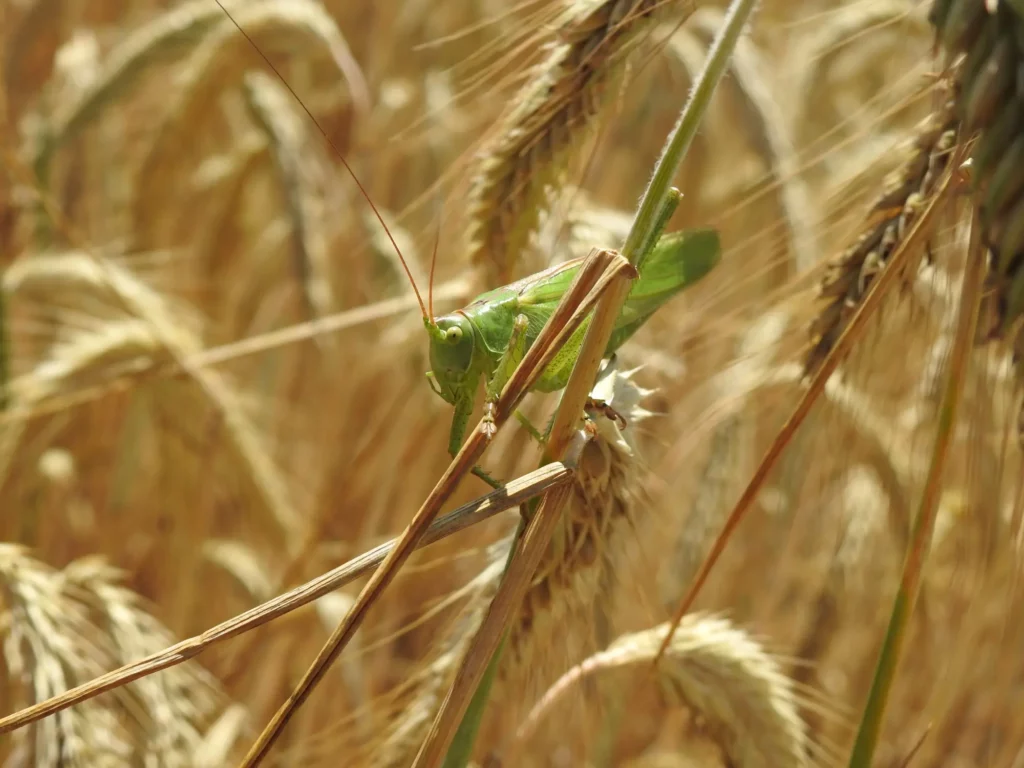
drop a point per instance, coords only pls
(213, 378)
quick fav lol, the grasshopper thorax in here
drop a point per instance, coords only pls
(451, 353)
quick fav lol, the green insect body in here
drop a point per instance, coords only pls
(488, 338)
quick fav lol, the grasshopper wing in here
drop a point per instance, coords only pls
(679, 260)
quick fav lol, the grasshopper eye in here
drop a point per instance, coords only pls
(453, 335)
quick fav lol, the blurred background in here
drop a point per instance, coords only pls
(216, 387)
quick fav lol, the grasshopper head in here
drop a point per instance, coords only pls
(451, 354)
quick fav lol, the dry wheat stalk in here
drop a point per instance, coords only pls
(516, 492)
(550, 119)
(907, 194)
(990, 100)
(408, 726)
(63, 627)
(718, 672)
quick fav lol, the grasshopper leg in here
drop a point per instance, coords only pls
(483, 475)
(530, 429)
(460, 418)
(510, 358)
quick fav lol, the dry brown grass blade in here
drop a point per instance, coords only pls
(850, 335)
(516, 492)
(594, 277)
(506, 601)
(535, 540)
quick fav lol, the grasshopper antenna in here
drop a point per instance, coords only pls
(433, 263)
(429, 319)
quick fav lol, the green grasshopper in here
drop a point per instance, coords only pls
(489, 337)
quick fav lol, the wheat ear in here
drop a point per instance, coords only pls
(989, 40)
(160, 39)
(549, 121)
(145, 336)
(61, 627)
(908, 192)
(569, 581)
(720, 673)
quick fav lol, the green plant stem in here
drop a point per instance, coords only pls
(910, 583)
(650, 219)
(686, 127)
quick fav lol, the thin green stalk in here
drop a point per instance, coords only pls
(917, 551)
(686, 127)
(656, 207)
